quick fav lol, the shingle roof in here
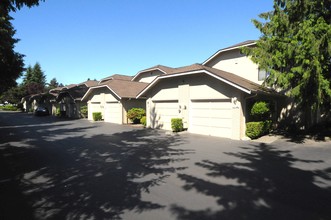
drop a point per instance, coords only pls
(116, 76)
(122, 88)
(164, 69)
(89, 83)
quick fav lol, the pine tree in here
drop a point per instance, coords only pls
(34, 79)
(295, 47)
(11, 62)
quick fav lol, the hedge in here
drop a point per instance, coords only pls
(97, 116)
(176, 124)
(9, 108)
(258, 129)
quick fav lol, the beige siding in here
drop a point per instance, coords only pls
(234, 62)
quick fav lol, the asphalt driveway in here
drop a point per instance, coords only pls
(76, 169)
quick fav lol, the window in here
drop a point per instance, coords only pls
(263, 74)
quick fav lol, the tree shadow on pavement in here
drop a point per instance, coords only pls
(80, 177)
(269, 186)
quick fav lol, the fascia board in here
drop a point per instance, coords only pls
(146, 71)
(97, 87)
(224, 50)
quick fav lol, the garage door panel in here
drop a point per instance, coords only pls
(164, 111)
(113, 112)
(94, 107)
(211, 117)
(220, 122)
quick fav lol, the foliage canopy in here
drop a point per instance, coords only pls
(11, 62)
(295, 47)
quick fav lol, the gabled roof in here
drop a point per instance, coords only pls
(236, 81)
(116, 76)
(77, 91)
(233, 47)
(161, 68)
(69, 86)
(89, 83)
(121, 88)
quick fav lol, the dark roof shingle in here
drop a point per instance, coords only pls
(123, 88)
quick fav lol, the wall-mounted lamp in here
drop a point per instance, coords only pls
(234, 100)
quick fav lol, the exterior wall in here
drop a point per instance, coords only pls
(102, 100)
(96, 102)
(181, 91)
(234, 62)
(148, 77)
(131, 103)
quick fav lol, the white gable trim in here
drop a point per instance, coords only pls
(97, 87)
(228, 49)
(191, 73)
(146, 71)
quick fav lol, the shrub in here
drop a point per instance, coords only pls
(135, 114)
(176, 124)
(83, 111)
(58, 112)
(260, 111)
(9, 108)
(143, 121)
(97, 116)
(258, 129)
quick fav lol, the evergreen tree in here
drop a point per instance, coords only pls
(53, 84)
(11, 62)
(295, 47)
(34, 79)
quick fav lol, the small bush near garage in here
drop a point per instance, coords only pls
(176, 124)
(135, 114)
(258, 129)
(143, 121)
(58, 112)
(97, 116)
(9, 108)
(260, 111)
(83, 111)
(261, 125)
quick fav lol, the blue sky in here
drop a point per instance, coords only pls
(78, 39)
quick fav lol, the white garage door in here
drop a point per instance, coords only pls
(211, 117)
(93, 107)
(113, 112)
(163, 112)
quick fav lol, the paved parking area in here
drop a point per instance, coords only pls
(76, 169)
